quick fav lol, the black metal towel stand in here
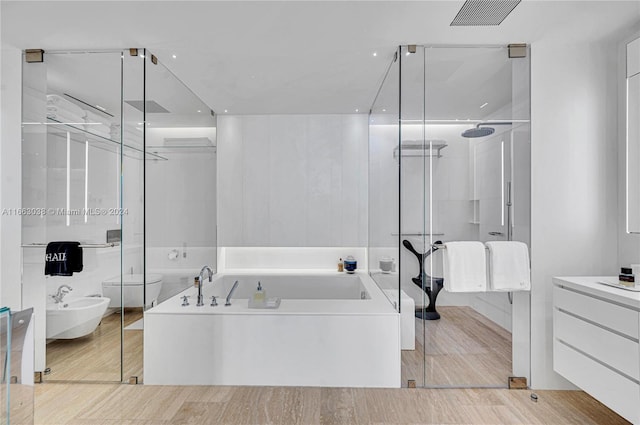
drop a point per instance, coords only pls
(428, 313)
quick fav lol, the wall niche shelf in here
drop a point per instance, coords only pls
(420, 149)
(184, 145)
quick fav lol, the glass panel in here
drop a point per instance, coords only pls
(5, 358)
(180, 197)
(477, 189)
(71, 112)
(131, 195)
(384, 181)
(418, 154)
(21, 390)
(633, 154)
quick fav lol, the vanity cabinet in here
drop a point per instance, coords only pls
(596, 331)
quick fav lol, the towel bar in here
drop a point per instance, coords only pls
(443, 246)
(88, 245)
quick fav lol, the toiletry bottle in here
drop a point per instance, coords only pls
(196, 282)
(340, 265)
(626, 277)
(259, 297)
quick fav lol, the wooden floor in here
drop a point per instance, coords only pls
(463, 348)
(96, 357)
(121, 404)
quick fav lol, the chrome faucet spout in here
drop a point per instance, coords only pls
(61, 292)
(209, 272)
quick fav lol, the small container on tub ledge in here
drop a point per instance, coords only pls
(260, 300)
(386, 264)
(340, 266)
(350, 264)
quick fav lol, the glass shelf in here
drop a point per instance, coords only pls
(420, 148)
(81, 135)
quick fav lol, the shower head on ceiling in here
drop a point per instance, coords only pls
(479, 131)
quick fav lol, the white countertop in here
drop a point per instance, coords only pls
(590, 285)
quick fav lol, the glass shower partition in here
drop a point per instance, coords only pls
(180, 183)
(118, 156)
(447, 187)
(384, 183)
(71, 166)
(5, 358)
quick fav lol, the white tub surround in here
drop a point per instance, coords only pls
(595, 341)
(407, 317)
(323, 334)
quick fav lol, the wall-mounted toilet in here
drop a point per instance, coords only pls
(132, 289)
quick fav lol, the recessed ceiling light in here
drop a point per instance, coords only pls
(174, 56)
(375, 53)
(357, 110)
(139, 123)
(226, 110)
(384, 110)
(199, 111)
(484, 104)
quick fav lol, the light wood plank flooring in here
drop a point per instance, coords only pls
(96, 357)
(463, 348)
(121, 404)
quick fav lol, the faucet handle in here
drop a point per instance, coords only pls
(185, 300)
(214, 302)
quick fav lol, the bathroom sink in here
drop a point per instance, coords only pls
(75, 317)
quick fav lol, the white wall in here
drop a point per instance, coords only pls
(292, 180)
(10, 169)
(574, 177)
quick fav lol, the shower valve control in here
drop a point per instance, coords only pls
(185, 300)
(214, 302)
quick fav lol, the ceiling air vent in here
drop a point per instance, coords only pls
(150, 106)
(483, 12)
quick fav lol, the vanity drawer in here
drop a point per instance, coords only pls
(622, 319)
(620, 394)
(611, 349)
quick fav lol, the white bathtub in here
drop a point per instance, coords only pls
(331, 329)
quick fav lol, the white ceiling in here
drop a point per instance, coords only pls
(291, 56)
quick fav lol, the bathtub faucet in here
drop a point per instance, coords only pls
(201, 282)
(62, 291)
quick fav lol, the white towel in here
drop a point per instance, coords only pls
(53, 100)
(465, 267)
(509, 266)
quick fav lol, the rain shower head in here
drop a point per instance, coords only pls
(479, 131)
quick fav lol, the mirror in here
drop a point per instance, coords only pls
(633, 138)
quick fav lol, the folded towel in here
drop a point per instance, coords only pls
(99, 129)
(64, 116)
(63, 258)
(64, 104)
(465, 267)
(509, 266)
(95, 117)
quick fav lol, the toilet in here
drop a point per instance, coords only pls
(132, 288)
